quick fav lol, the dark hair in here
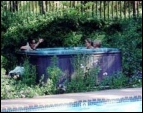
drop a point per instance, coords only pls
(89, 41)
(30, 39)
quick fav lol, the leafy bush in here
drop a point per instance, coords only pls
(56, 31)
(54, 74)
(25, 86)
(129, 41)
(68, 30)
(29, 76)
(84, 77)
(118, 80)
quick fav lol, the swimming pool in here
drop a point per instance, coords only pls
(126, 104)
(102, 107)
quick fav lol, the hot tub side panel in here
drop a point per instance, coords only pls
(109, 63)
(64, 62)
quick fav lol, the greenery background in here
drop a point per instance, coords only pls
(68, 30)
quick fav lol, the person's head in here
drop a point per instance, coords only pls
(31, 42)
(97, 44)
(88, 43)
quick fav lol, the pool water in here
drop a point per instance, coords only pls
(135, 106)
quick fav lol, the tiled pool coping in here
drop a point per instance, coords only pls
(72, 99)
(74, 104)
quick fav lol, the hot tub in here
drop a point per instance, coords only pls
(108, 59)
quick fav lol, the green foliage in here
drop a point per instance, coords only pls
(57, 31)
(13, 88)
(69, 29)
(81, 81)
(29, 76)
(72, 39)
(84, 77)
(47, 88)
(8, 62)
(136, 80)
(25, 91)
(117, 80)
(129, 41)
(25, 86)
(54, 73)
(7, 88)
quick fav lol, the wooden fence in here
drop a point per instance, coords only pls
(100, 9)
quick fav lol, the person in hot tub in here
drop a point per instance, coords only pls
(31, 44)
(96, 43)
(89, 43)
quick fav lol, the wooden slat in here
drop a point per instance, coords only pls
(100, 9)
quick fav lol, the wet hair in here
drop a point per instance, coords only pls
(89, 41)
(97, 43)
(30, 40)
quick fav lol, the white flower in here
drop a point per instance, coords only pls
(95, 63)
(105, 73)
(81, 66)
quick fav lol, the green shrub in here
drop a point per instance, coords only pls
(114, 81)
(70, 29)
(129, 41)
(29, 76)
(84, 77)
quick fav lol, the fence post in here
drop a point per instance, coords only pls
(134, 8)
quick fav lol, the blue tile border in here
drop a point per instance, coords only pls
(73, 104)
